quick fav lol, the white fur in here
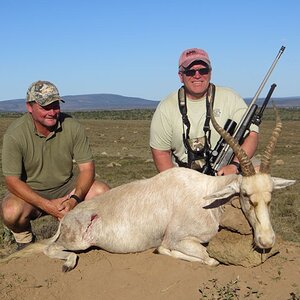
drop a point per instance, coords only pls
(175, 211)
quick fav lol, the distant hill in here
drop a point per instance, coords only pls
(284, 102)
(93, 102)
(89, 102)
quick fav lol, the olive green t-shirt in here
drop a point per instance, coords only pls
(44, 162)
(167, 127)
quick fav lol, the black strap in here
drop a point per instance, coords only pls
(179, 162)
(183, 111)
(210, 96)
(78, 200)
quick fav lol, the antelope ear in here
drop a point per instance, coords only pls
(280, 183)
(225, 192)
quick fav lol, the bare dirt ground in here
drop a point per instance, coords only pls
(102, 275)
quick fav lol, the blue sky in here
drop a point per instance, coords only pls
(131, 48)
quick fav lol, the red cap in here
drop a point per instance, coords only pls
(191, 55)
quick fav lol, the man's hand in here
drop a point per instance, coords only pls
(249, 146)
(229, 169)
(59, 207)
(68, 205)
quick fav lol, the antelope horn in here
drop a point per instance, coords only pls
(245, 162)
(266, 157)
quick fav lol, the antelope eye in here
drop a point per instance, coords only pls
(244, 194)
(254, 204)
(268, 203)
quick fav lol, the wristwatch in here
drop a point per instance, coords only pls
(78, 200)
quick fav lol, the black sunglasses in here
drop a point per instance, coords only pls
(192, 72)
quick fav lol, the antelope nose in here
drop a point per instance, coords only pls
(266, 243)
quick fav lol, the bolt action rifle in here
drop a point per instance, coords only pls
(222, 154)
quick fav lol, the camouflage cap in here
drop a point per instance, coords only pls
(43, 93)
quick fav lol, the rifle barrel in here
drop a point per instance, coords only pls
(265, 103)
(226, 153)
(261, 87)
(267, 75)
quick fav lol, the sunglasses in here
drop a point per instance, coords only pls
(192, 72)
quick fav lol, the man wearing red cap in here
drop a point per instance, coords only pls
(180, 132)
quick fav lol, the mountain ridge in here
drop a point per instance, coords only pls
(91, 102)
(87, 102)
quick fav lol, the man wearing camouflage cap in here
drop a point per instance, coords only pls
(39, 150)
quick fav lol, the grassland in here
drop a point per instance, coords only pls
(120, 143)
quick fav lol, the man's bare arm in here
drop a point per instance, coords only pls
(162, 159)
(22, 190)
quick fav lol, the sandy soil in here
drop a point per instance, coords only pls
(102, 275)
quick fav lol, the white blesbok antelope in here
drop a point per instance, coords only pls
(175, 211)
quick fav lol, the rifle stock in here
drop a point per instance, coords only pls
(222, 155)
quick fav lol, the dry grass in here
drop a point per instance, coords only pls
(285, 163)
(122, 154)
